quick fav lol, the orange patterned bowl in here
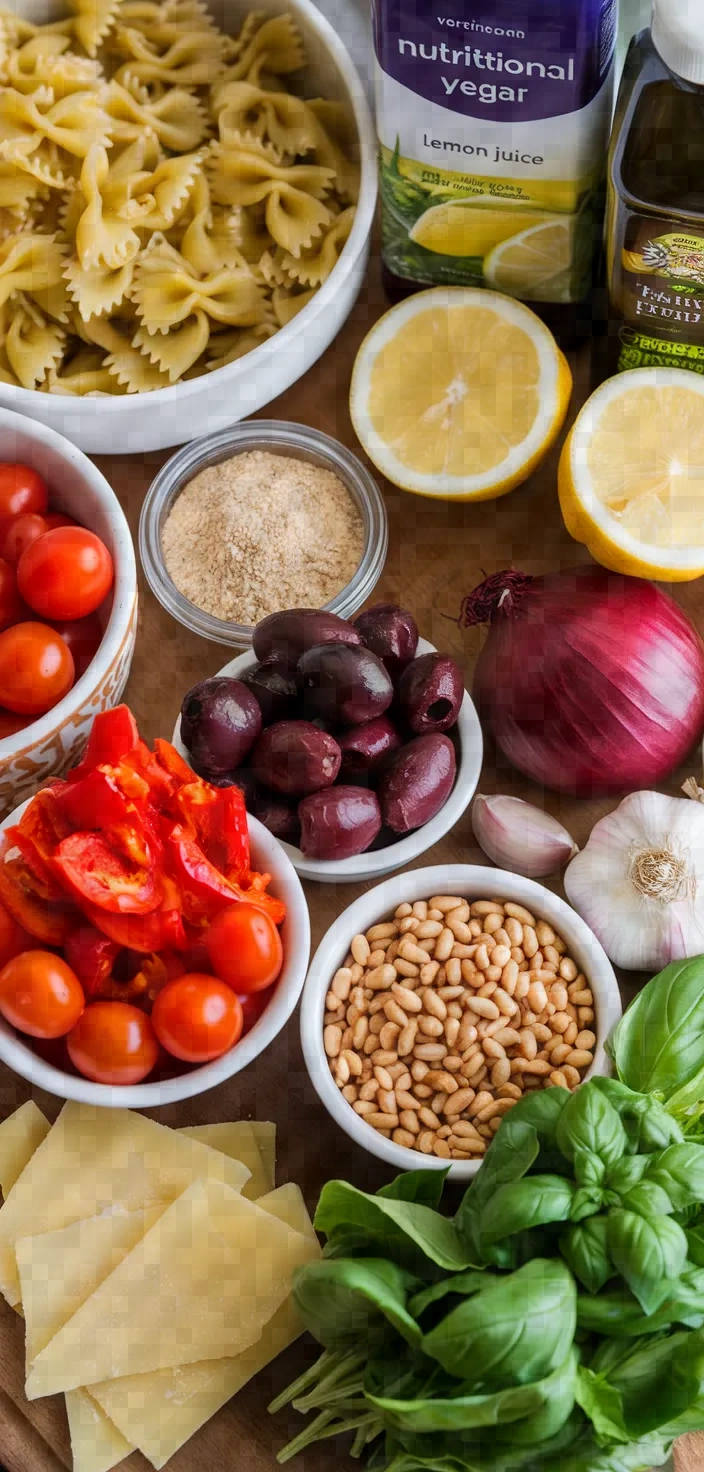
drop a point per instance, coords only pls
(54, 741)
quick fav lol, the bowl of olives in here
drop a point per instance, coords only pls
(356, 744)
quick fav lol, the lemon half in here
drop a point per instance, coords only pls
(536, 264)
(457, 392)
(469, 227)
(631, 476)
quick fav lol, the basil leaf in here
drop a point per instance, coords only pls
(510, 1155)
(659, 1043)
(627, 1172)
(500, 1408)
(342, 1302)
(520, 1205)
(586, 1202)
(518, 1328)
(658, 1380)
(424, 1187)
(590, 1124)
(585, 1251)
(619, 1314)
(648, 1199)
(401, 1226)
(542, 1110)
(695, 1245)
(463, 1284)
(589, 1169)
(647, 1124)
(648, 1252)
(602, 1403)
(679, 1170)
(545, 1424)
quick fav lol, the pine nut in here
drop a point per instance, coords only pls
(478, 1103)
(467, 1033)
(383, 1121)
(429, 1118)
(445, 902)
(409, 951)
(493, 1049)
(536, 1065)
(580, 1058)
(459, 928)
(438, 1079)
(384, 1056)
(405, 1099)
(428, 929)
(500, 1073)
(452, 1064)
(407, 998)
(349, 1093)
(394, 1013)
(522, 986)
(504, 1002)
(422, 1091)
(508, 1037)
(429, 972)
(452, 1028)
(484, 1007)
(383, 1077)
(409, 1121)
(332, 1040)
(530, 942)
(388, 1036)
(570, 1033)
(406, 969)
(386, 931)
(582, 999)
(404, 1137)
(341, 983)
(407, 1038)
(444, 944)
(585, 1039)
(430, 1052)
(364, 1107)
(481, 958)
(537, 997)
(584, 1015)
(567, 968)
(410, 925)
(382, 977)
(559, 1080)
(402, 910)
(518, 912)
(559, 1054)
(431, 1027)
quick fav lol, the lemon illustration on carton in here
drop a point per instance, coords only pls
(470, 227)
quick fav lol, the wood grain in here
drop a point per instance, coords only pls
(438, 551)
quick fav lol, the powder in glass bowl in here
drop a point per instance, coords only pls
(260, 532)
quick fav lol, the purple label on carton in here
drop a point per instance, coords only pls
(511, 60)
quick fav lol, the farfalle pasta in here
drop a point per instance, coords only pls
(168, 198)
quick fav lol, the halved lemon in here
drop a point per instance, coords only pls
(459, 393)
(535, 265)
(631, 475)
(469, 227)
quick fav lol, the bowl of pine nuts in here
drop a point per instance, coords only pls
(442, 996)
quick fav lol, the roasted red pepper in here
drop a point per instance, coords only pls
(113, 735)
(203, 888)
(50, 921)
(94, 802)
(218, 819)
(161, 930)
(94, 870)
(253, 888)
(45, 882)
(172, 761)
(92, 956)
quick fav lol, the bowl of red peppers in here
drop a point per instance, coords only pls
(154, 938)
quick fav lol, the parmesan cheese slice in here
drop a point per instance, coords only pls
(96, 1444)
(237, 1140)
(91, 1161)
(265, 1136)
(160, 1411)
(20, 1136)
(201, 1284)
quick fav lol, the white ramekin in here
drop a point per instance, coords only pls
(267, 857)
(378, 904)
(375, 862)
(131, 423)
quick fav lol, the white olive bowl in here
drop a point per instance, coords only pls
(375, 862)
(132, 423)
(379, 904)
(54, 741)
(267, 857)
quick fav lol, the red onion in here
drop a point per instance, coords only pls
(588, 681)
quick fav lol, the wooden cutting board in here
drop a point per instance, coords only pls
(438, 551)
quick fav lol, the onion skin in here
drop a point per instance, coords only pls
(589, 682)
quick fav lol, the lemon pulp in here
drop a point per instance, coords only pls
(646, 464)
(536, 264)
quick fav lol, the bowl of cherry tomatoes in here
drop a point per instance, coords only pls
(154, 938)
(68, 603)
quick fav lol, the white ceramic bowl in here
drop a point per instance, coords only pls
(132, 423)
(268, 857)
(55, 740)
(380, 861)
(377, 905)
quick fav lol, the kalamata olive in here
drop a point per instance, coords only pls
(430, 693)
(275, 688)
(344, 683)
(339, 822)
(391, 632)
(365, 747)
(294, 757)
(417, 782)
(276, 815)
(285, 636)
(220, 721)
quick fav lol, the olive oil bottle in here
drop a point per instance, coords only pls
(655, 197)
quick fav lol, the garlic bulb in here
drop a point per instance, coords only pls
(639, 882)
(520, 837)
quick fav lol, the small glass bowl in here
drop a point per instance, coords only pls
(301, 443)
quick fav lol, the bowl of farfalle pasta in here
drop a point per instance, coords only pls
(186, 197)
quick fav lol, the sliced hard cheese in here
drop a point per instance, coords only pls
(93, 1159)
(201, 1284)
(238, 1141)
(265, 1136)
(20, 1136)
(96, 1444)
(160, 1411)
(60, 1270)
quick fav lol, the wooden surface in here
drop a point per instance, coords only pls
(438, 551)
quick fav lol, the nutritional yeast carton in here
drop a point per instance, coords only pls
(493, 118)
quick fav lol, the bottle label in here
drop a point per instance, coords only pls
(492, 118)
(662, 296)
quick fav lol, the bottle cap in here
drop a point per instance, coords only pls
(677, 30)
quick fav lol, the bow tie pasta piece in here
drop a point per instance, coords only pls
(274, 46)
(20, 30)
(46, 61)
(250, 234)
(177, 119)
(292, 196)
(162, 25)
(166, 290)
(74, 124)
(102, 238)
(330, 151)
(18, 190)
(176, 351)
(99, 291)
(243, 110)
(33, 345)
(314, 265)
(227, 347)
(193, 60)
(205, 234)
(169, 187)
(288, 303)
(29, 263)
(84, 374)
(92, 21)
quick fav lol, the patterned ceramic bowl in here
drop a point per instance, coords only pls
(55, 740)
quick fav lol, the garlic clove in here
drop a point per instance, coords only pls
(521, 837)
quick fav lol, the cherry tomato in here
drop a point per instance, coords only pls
(57, 518)
(12, 608)
(13, 938)
(10, 723)
(40, 994)
(36, 668)
(114, 1043)
(245, 948)
(66, 574)
(21, 489)
(83, 637)
(19, 534)
(197, 1017)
